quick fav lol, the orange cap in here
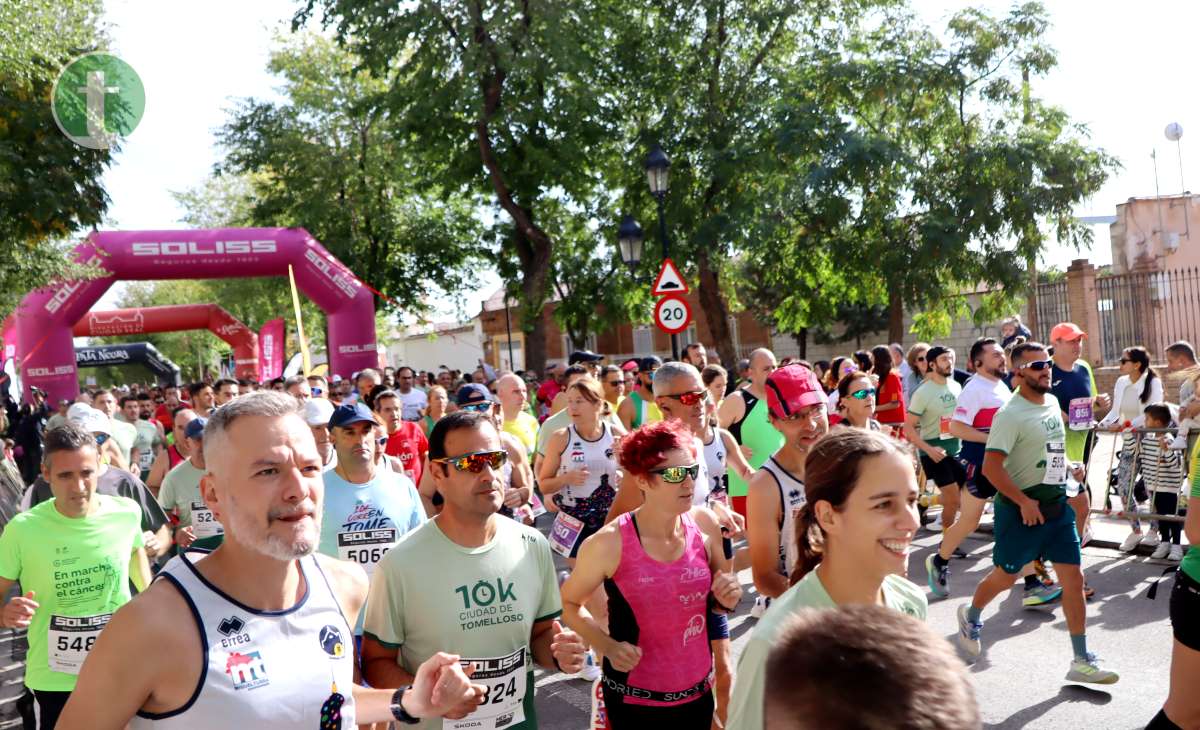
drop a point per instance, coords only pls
(1066, 331)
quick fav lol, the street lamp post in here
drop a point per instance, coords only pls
(657, 168)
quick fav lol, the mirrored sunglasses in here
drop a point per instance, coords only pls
(676, 474)
(690, 399)
(864, 393)
(475, 461)
(1038, 364)
(482, 406)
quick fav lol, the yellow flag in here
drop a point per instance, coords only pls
(299, 323)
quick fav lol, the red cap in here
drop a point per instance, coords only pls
(792, 388)
(1066, 331)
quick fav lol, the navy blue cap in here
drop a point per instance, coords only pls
(646, 364)
(195, 428)
(350, 413)
(473, 393)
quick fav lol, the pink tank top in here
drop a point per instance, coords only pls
(663, 609)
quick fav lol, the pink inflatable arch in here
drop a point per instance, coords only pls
(176, 318)
(46, 317)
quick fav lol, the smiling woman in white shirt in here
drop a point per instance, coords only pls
(1137, 387)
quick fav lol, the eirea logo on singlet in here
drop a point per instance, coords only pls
(247, 670)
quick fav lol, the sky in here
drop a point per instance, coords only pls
(1122, 72)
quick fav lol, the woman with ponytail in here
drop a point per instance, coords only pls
(1138, 387)
(853, 536)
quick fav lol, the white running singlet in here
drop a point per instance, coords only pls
(595, 456)
(717, 462)
(267, 670)
(703, 486)
(791, 496)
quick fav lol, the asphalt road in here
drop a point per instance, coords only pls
(1019, 679)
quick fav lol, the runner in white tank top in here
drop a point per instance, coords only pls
(595, 456)
(716, 459)
(791, 496)
(249, 677)
(253, 634)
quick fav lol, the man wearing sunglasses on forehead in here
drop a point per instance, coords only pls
(796, 408)
(471, 582)
(368, 508)
(1025, 459)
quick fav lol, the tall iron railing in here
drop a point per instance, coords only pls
(1148, 308)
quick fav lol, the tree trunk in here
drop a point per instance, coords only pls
(715, 310)
(801, 338)
(895, 314)
(534, 256)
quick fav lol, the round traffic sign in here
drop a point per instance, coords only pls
(672, 314)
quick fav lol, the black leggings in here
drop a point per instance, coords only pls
(1165, 504)
(694, 715)
(50, 706)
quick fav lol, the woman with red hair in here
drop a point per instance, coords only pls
(662, 572)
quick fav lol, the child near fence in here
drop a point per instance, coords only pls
(1161, 468)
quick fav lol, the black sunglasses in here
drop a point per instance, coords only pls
(1038, 364)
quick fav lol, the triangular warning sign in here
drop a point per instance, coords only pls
(669, 280)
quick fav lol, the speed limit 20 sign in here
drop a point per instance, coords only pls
(672, 314)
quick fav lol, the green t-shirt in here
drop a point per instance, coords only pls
(125, 435)
(146, 443)
(933, 403)
(180, 492)
(1191, 561)
(429, 594)
(746, 703)
(1032, 438)
(76, 568)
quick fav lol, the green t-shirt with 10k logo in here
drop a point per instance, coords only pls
(429, 594)
(1033, 440)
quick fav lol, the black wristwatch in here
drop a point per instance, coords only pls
(398, 710)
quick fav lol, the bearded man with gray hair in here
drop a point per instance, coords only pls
(260, 612)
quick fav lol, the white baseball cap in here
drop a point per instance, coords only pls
(90, 419)
(318, 411)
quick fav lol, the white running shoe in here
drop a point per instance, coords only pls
(1087, 669)
(988, 508)
(1131, 542)
(1176, 553)
(935, 525)
(1161, 551)
(1087, 535)
(761, 604)
(1150, 540)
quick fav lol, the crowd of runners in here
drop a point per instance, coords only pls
(316, 552)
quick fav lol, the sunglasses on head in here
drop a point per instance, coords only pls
(1038, 364)
(676, 474)
(475, 461)
(690, 399)
(482, 406)
(864, 393)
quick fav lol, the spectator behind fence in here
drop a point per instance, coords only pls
(1162, 469)
(1181, 358)
(859, 666)
(1012, 328)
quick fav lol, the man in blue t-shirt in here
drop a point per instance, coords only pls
(367, 507)
(1072, 383)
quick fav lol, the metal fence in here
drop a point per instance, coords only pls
(1052, 308)
(1152, 309)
